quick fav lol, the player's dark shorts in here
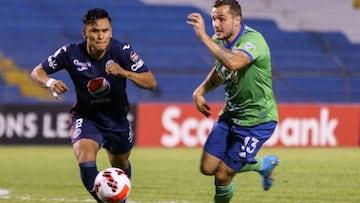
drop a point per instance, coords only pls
(237, 145)
(115, 142)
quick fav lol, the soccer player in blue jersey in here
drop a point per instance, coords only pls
(249, 117)
(99, 67)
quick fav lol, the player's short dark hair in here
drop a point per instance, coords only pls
(235, 8)
(92, 15)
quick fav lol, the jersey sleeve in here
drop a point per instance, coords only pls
(128, 58)
(253, 45)
(56, 61)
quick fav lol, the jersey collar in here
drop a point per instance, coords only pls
(228, 46)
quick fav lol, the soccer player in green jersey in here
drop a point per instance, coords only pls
(249, 117)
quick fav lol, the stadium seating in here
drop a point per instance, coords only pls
(308, 66)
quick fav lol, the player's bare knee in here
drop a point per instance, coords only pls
(207, 170)
(222, 178)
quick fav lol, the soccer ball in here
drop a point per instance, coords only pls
(112, 185)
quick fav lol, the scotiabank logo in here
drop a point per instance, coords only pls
(300, 126)
(190, 132)
(309, 131)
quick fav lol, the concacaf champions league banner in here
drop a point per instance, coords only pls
(37, 123)
(181, 125)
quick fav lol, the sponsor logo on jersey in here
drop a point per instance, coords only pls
(138, 62)
(98, 87)
(76, 133)
(249, 45)
(126, 47)
(77, 128)
(52, 62)
(109, 62)
(52, 59)
(225, 73)
(82, 66)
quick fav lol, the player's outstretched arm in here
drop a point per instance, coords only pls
(39, 75)
(231, 59)
(212, 81)
(145, 80)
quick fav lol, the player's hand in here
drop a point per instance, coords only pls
(201, 105)
(58, 87)
(115, 69)
(197, 21)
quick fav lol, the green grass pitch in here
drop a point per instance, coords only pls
(308, 175)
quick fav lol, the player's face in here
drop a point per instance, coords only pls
(225, 25)
(98, 36)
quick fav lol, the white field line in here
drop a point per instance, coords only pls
(5, 194)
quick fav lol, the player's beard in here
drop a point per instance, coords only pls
(225, 36)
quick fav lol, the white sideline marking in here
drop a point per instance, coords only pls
(5, 194)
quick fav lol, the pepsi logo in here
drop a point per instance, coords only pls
(98, 87)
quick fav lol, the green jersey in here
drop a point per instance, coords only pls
(249, 95)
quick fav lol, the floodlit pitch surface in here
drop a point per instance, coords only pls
(50, 174)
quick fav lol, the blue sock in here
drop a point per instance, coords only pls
(88, 172)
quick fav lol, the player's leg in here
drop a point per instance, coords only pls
(85, 151)
(121, 161)
(211, 161)
(208, 164)
(86, 141)
(253, 141)
(224, 187)
(118, 147)
(214, 148)
(264, 167)
(252, 167)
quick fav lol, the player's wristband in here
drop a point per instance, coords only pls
(50, 82)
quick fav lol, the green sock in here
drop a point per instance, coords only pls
(224, 193)
(252, 167)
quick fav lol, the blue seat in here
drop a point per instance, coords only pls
(311, 63)
(310, 89)
(308, 66)
(173, 88)
(354, 84)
